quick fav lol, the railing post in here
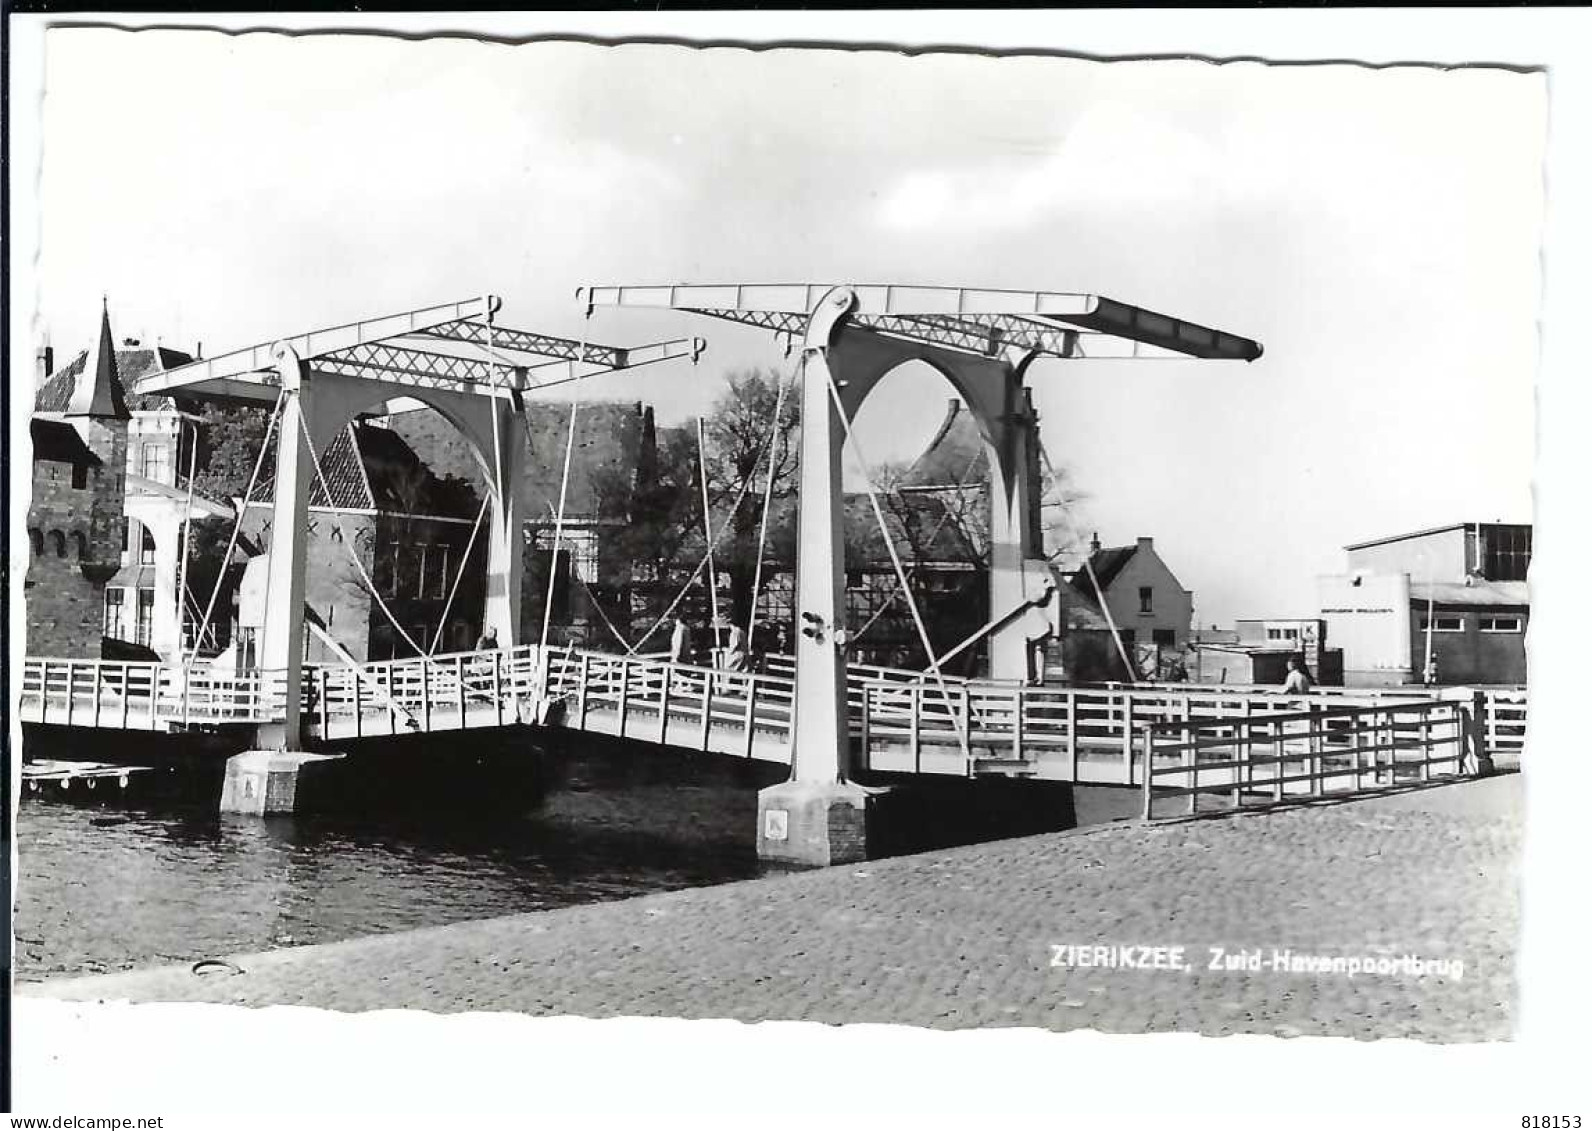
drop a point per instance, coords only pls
(1072, 735)
(98, 676)
(624, 694)
(1242, 770)
(125, 697)
(1127, 738)
(320, 698)
(915, 725)
(663, 708)
(458, 691)
(356, 682)
(1017, 723)
(71, 690)
(497, 686)
(750, 718)
(1191, 759)
(1149, 763)
(1426, 742)
(708, 687)
(584, 677)
(1279, 753)
(1314, 748)
(865, 726)
(425, 696)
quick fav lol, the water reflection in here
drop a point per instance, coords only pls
(102, 888)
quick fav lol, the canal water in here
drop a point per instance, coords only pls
(119, 885)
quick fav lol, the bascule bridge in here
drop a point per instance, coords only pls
(834, 723)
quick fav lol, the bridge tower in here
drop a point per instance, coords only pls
(453, 358)
(851, 337)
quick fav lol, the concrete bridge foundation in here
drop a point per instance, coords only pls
(814, 823)
(265, 783)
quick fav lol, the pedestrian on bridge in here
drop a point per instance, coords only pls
(1298, 681)
(679, 641)
(735, 650)
(488, 640)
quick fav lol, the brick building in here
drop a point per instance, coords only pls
(1148, 607)
(79, 433)
(409, 530)
(609, 446)
(139, 601)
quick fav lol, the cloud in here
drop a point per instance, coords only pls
(1112, 158)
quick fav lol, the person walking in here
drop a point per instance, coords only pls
(487, 641)
(1298, 681)
(679, 641)
(735, 650)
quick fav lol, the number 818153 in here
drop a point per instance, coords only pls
(1550, 1122)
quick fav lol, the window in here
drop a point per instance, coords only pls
(157, 462)
(1165, 637)
(1445, 624)
(79, 476)
(444, 577)
(113, 613)
(1500, 624)
(146, 616)
(1282, 634)
(58, 543)
(1506, 552)
(1127, 635)
(1146, 599)
(146, 550)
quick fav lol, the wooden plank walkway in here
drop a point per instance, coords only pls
(902, 721)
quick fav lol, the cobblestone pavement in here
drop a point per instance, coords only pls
(963, 937)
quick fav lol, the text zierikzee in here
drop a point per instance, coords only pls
(1257, 960)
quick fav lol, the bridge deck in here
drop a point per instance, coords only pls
(901, 722)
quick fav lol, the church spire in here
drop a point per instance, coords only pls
(98, 390)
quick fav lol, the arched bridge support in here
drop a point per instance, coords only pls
(316, 406)
(819, 816)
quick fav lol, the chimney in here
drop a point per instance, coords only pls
(1146, 543)
(198, 351)
(46, 359)
(1094, 543)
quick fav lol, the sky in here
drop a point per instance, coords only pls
(1378, 230)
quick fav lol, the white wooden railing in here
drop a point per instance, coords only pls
(672, 704)
(1325, 748)
(965, 726)
(1504, 729)
(133, 695)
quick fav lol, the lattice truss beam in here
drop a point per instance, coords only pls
(409, 349)
(969, 320)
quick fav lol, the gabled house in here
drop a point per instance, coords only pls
(1144, 602)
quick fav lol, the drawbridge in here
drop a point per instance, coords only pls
(829, 720)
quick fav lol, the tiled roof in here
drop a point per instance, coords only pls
(131, 363)
(366, 467)
(1107, 562)
(339, 466)
(607, 439)
(957, 455)
(607, 436)
(58, 442)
